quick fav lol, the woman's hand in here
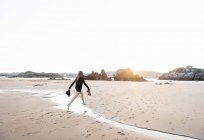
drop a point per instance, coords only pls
(89, 92)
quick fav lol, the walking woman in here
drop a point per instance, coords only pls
(79, 82)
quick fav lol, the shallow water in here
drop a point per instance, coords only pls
(60, 98)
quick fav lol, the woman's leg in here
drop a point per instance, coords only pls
(76, 94)
(82, 97)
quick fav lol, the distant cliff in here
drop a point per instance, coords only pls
(30, 74)
(127, 75)
(184, 73)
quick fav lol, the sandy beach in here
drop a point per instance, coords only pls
(173, 107)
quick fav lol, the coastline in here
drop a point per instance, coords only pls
(25, 117)
(134, 107)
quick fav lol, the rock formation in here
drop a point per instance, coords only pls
(127, 75)
(98, 76)
(184, 73)
(30, 74)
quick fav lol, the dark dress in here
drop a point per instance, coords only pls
(79, 84)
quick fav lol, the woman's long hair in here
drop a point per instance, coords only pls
(80, 75)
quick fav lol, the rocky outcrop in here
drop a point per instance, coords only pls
(98, 76)
(184, 73)
(30, 74)
(127, 75)
(9, 75)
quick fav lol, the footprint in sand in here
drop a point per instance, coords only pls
(102, 136)
(50, 131)
(30, 133)
(147, 121)
(88, 135)
(170, 122)
(131, 117)
(62, 115)
(121, 133)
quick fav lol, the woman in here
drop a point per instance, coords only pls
(79, 82)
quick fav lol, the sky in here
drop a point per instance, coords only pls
(72, 35)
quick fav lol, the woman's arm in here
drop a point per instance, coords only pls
(88, 91)
(86, 85)
(72, 84)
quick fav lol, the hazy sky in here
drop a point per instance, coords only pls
(67, 36)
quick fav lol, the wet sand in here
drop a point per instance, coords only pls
(31, 118)
(174, 108)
